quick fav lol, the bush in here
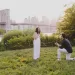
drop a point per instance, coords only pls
(18, 39)
(47, 41)
(28, 32)
(19, 43)
(21, 40)
(11, 35)
(2, 31)
(2, 47)
(73, 42)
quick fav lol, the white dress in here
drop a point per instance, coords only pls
(36, 51)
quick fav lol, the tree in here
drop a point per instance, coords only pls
(67, 23)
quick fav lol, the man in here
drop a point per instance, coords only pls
(64, 47)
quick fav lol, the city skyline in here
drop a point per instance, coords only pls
(21, 9)
(8, 25)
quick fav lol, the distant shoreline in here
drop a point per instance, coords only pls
(47, 34)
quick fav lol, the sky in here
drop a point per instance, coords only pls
(20, 9)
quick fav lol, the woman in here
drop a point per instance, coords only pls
(36, 44)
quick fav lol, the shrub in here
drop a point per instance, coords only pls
(2, 31)
(2, 47)
(47, 41)
(28, 32)
(21, 40)
(19, 43)
(73, 42)
(18, 39)
(10, 35)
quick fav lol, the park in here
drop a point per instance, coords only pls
(16, 50)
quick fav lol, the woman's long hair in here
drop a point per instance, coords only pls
(37, 30)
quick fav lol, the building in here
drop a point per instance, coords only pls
(34, 20)
(7, 24)
(45, 20)
(53, 27)
(5, 19)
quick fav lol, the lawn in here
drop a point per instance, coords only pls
(20, 62)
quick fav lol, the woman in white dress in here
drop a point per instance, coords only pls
(36, 44)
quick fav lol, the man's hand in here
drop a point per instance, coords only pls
(57, 44)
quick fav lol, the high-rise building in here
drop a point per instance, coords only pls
(34, 20)
(45, 20)
(26, 20)
(5, 19)
(53, 26)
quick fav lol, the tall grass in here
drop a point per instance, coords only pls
(20, 62)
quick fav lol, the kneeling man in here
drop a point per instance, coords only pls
(64, 47)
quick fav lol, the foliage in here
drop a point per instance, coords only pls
(28, 32)
(18, 39)
(2, 31)
(21, 40)
(47, 41)
(10, 35)
(67, 23)
(20, 43)
(73, 42)
(2, 47)
(20, 62)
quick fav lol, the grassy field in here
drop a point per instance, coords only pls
(20, 62)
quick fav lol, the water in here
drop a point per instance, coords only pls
(47, 34)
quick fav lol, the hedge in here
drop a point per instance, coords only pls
(2, 31)
(23, 39)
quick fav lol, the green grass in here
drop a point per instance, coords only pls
(20, 62)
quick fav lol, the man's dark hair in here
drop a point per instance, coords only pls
(64, 36)
(37, 30)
